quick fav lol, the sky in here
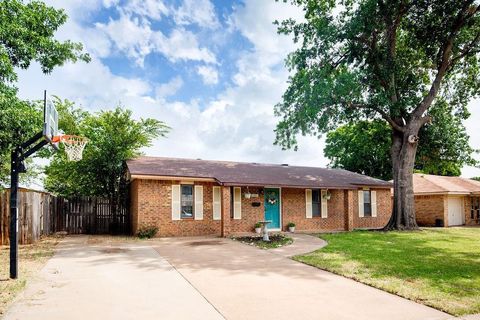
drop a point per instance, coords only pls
(210, 69)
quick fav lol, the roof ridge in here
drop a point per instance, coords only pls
(242, 162)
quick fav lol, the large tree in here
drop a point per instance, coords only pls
(27, 34)
(114, 137)
(443, 146)
(391, 59)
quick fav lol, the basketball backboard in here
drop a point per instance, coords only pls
(50, 121)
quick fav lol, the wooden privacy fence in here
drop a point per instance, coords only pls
(93, 215)
(44, 214)
(35, 212)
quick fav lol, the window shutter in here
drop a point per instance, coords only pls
(374, 203)
(198, 203)
(237, 203)
(217, 204)
(360, 203)
(176, 207)
(323, 194)
(308, 203)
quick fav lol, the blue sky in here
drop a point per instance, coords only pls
(212, 70)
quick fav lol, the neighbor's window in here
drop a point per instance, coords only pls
(475, 213)
(367, 203)
(187, 201)
(316, 203)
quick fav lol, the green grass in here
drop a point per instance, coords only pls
(436, 267)
(276, 241)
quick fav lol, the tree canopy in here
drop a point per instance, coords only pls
(395, 60)
(364, 147)
(27, 34)
(114, 137)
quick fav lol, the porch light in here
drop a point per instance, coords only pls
(327, 195)
(247, 194)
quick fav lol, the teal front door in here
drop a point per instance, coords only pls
(272, 207)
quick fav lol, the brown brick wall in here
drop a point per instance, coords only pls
(250, 214)
(384, 211)
(293, 209)
(428, 208)
(151, 205)
(154, 208)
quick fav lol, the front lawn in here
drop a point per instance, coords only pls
(31, 259)
(436, 267)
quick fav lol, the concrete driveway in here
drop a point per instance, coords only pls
(91, 279)
(244, 282)
(196, 278)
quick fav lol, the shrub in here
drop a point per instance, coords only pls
(290, 225)
(258, 225)
(147, 232)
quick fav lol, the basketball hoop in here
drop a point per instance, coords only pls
(73, 145)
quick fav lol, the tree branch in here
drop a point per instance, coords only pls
(467, 49)
(444, 61)
(384, 115)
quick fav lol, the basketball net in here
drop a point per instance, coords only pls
(73, 146)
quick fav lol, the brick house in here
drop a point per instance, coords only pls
(185, 197)
(446, 201)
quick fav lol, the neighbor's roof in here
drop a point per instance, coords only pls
(425, 183)
(251, 174)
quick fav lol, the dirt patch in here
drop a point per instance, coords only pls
(32, 258)
(205, 243)
(113, 250)
(99, 239)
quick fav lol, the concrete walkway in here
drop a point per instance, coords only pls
(302, 243)
(245, 282)
(88, 279)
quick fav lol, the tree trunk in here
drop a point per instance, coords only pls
(403, 159)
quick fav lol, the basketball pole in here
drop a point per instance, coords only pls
(19, 154)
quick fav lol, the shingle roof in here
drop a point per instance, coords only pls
(241, 173)
(425, 183)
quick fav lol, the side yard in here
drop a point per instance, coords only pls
(436, 267)
(31, 260)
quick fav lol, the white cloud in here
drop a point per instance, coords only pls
(236, 125)
(130, 36)
(168, 89)
(135, 38)
(153, 9)
(200, 12)
(182, 45)
(209, 74)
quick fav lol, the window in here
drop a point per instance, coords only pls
(475, 210)
(187, 201)
(316, 203)
(367, 203)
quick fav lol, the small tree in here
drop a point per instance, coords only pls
(390, 59)
(114, 138)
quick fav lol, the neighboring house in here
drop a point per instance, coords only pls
(184, 197)
(446, 201)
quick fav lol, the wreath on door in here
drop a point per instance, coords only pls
(272, 198)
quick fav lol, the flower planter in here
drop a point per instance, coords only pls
(291, 229)
(258, 230)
